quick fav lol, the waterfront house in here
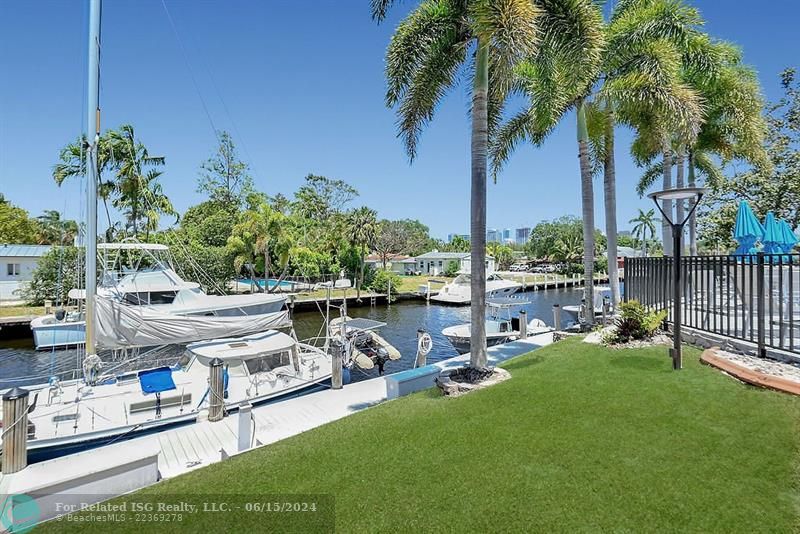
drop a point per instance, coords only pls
(436, 263)
(394, 262)
(17, 263)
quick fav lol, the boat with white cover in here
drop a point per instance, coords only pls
(600, 293)
(73, 415)
(140, 276)
(501, 327)
(459, 291)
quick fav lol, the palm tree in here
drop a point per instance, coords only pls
(733, 126)
(362, 228)
(427, 52)
(632, 58)
(54, 229)
(643, 223)
(138, 192)
(258, 230)
(73, 163)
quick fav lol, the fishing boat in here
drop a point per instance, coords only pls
(368, 348)
(100, 408)
(142, 275)
(501, 326)
(459, 291)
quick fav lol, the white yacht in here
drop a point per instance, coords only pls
(459, 291)
(152, 284)
(78, 414)
(501, 327)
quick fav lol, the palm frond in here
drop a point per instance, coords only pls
(649, 177)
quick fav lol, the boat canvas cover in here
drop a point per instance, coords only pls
(120, 325)
(156, 380)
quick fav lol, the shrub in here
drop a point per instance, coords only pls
(635, 323)
(58, 271)
(380, 282)
(452, 269)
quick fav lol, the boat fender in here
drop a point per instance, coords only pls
(345, 374)
(91, 368)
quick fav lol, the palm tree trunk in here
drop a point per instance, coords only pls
(479, 146)
(363, 265)
(666, 205)
(266, 268)
(610, 198)
(680, 205)
(692, 219)
(587, 207)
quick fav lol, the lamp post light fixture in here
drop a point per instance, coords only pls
(680, 194)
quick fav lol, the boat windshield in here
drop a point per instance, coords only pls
(268, 362)
(462, 280)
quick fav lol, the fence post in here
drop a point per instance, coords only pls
(762, 351)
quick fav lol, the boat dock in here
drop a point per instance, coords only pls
(128, 465)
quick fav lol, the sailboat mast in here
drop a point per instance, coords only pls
(93, 139)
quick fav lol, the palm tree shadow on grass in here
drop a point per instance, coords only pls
(523, 363)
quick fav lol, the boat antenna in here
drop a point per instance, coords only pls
(93, 142)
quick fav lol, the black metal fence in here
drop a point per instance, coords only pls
(752, 298)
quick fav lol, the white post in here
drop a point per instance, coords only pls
(421, 359)
(245, 437)
(216, 390)
(557, 317)
(337, 347)
(523, 324)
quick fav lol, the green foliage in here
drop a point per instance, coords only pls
(380, 281)
(15, 225)
(503, 255)
(224, 177)
(407, 236)
(209, 223)
(635, 323)
(451, 269)
(58, 271)
(560, 240)
(771, 187)
(457, 244)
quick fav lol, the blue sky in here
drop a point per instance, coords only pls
(299, 84)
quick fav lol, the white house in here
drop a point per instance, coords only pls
(394, 262)
(436, 263)
(17, 263)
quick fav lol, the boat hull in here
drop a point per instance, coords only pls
(461, 298)
(53, 335)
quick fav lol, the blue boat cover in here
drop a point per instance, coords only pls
(156, 380)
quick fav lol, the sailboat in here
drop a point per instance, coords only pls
(99, 408)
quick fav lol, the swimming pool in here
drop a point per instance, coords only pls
(284, 284)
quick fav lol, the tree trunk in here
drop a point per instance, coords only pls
(692, 219)
(666, 205)
(610, 198)
(363, 265)
(587, 206)
(680, 205)
(480, 145)
(266, 268)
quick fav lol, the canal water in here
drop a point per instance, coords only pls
(20, 364)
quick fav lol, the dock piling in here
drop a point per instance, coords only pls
(15, 430)
(557, 317)
(422, 357)
(216, 387)
(245, 437)
(523, 324)
(337, 348)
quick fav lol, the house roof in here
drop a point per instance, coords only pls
(389, 257)
(23, 251)
(436, 255)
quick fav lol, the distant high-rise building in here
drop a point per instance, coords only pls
(522, 235)
(493, 235)
(450, 237)
(506, 235)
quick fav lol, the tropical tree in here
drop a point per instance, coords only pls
(16, 226)
(362, 227)
(503, 255)
(643, 224)
(139, 194)
(437, 41)
(72, 163)
(732, 126)
(55, 230)
(260, 233)
(224, 177)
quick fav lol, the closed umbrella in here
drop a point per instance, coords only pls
(748, 230)
(788, 238)
(773, 235)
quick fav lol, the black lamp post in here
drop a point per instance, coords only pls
(681, 194)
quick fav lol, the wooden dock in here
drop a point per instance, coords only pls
(189, 447)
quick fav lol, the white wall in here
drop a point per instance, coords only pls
(10, 284)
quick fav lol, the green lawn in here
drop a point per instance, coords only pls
(582, 438)
(14, 311)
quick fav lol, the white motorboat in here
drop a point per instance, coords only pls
(459, 291)
(368, 347)
(501, 327)
(98, 409)
(600, 293)
(152, 284)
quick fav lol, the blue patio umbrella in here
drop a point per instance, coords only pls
(748, 230)
(773, 236)
(788, 237)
